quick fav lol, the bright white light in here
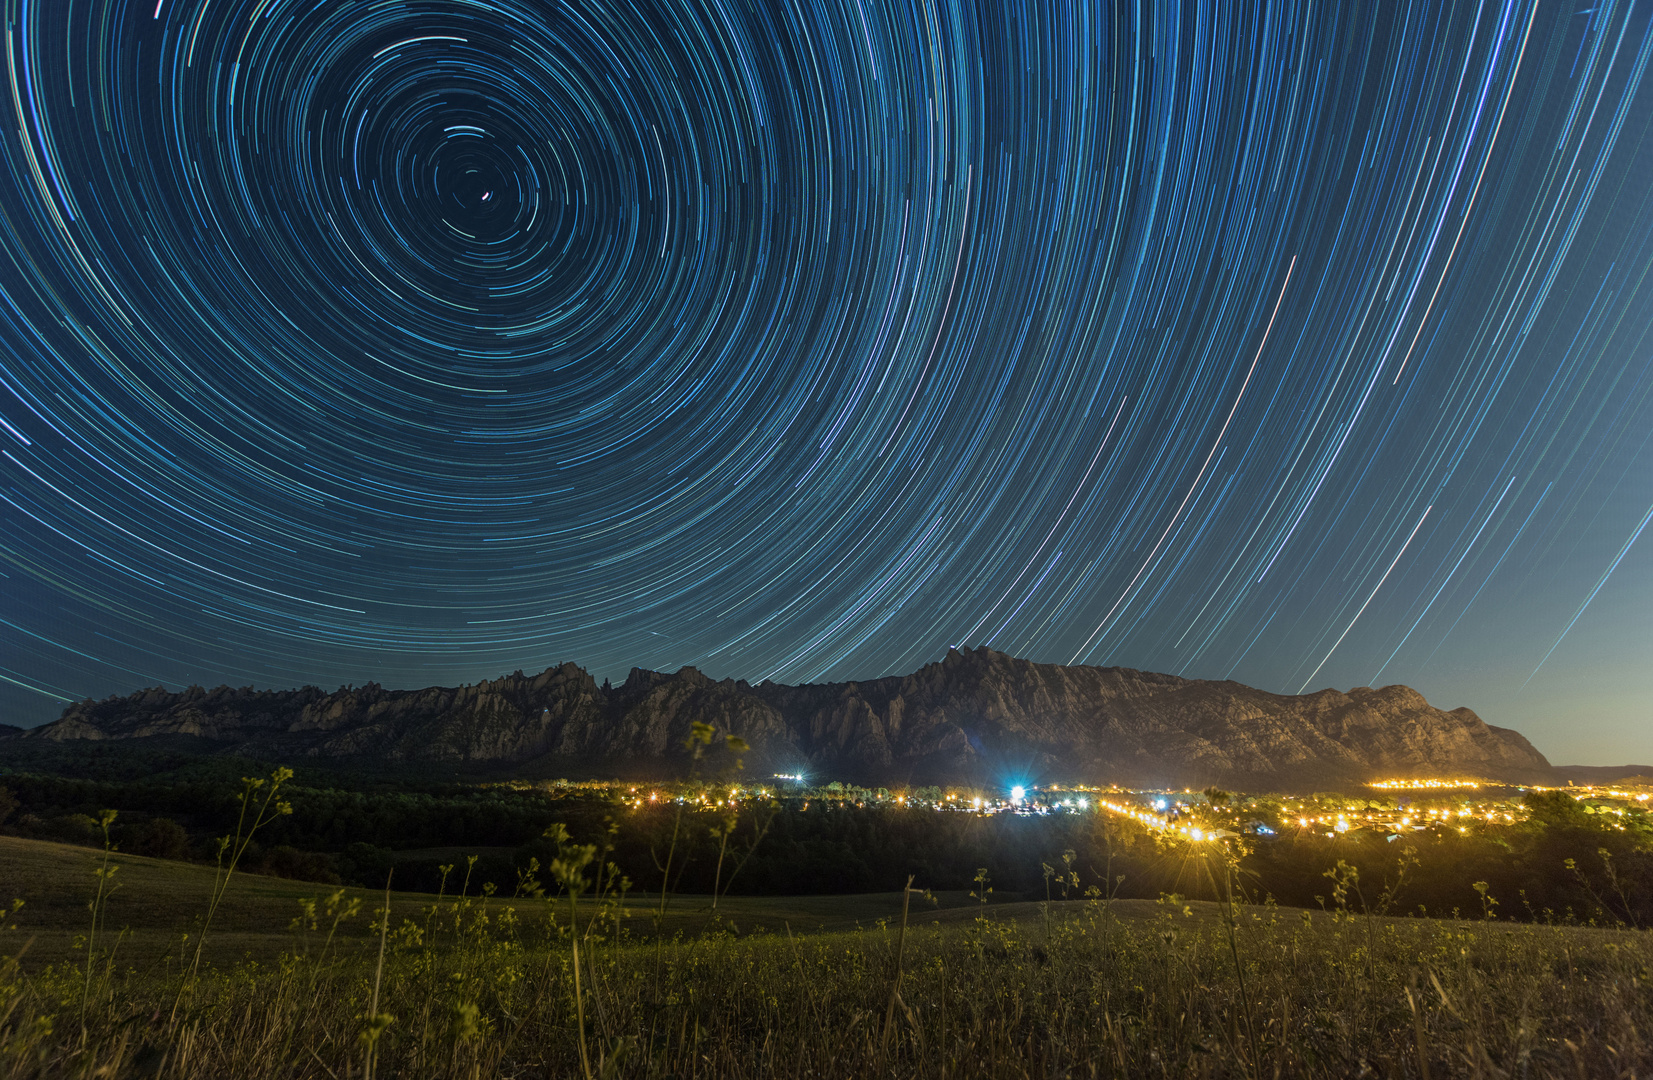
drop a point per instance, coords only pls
(1159, 804)
(1018, 793)
(1084, 804)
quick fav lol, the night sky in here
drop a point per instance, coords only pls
(419, 342)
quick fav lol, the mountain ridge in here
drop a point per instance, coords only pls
(1605, 774)
(975, 714)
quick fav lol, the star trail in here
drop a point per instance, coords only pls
(419, 342)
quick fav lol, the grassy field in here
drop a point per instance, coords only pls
(155, 903)
(299, 982)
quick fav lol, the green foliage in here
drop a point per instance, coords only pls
(155, 837)
(286, 861)
(478, 988)
(840, 839)
(1211, 981)
(1555, 809)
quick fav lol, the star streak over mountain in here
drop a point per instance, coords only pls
(1306, 346)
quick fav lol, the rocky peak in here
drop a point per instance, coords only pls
(973, 712)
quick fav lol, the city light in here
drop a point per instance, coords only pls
(1387, 810)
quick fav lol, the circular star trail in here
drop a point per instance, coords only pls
(418, 342)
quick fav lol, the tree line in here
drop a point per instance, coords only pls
(1562, 864)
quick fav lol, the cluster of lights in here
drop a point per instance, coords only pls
(1447, 815)
(1340, 822)
(1018, 798)
(637, 800)
(1156, 821)
(1614, 793)
(1135, 813)
(1154, 810)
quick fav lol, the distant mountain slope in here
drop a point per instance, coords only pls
(1605, 774)
(976, 714)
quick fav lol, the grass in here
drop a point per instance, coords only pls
(155, 901)
(486, 987)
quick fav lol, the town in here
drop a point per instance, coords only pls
(1389, 807)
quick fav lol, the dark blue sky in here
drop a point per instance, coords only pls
(418, 343)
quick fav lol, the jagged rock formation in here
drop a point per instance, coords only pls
(977, 713)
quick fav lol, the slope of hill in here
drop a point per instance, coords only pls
(977, 713)
(1606, 774)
